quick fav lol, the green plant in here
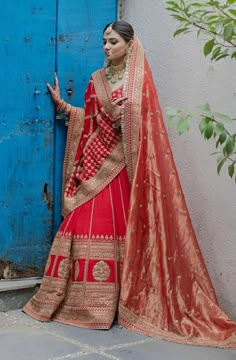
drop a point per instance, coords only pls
(216, 20)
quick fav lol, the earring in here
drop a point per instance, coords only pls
(106, 63)
(128, 53)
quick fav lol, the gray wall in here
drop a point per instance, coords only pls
(184, 78)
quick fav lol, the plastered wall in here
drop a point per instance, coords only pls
(186, 79)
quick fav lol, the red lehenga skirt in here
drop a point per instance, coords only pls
(82, 275)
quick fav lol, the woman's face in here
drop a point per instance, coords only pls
(115, 47)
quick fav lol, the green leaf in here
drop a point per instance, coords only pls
(216, 52)
(221, 57)
(233, 56)
(229, 146)
(219, 128)
(231, 170)
(206, 111)
(179, 31)
(208, 47)
(226, 21)
(222, 137)
(198, 4)
(209, 130)
(228, 32)
(233, 12)
(208, 114)
(173, 3)
(203, 125)
(172, 120)
(213, 18)
(216, 152)
(204, 107)
(184, 124)
(172, 9)
(220, 164)
(180, 18)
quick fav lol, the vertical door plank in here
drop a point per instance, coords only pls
(27, 52)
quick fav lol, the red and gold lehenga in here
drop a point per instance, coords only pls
(127, 241)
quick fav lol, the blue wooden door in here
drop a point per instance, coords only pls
(39, 37)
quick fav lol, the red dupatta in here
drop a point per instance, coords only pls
(166, 290)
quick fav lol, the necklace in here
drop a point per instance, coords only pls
(115, 73)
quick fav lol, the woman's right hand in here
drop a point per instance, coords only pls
(55, 91)
(116, 106)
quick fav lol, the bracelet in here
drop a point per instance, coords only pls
(63, 107)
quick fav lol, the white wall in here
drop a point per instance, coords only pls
(185, 79)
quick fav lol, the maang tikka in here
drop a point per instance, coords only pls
(109, 29)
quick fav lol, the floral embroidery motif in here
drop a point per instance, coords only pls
(101, 271)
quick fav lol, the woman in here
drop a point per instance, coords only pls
(127, 241)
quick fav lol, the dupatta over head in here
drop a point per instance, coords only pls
(165, 289)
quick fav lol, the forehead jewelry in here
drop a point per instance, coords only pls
(109, 29)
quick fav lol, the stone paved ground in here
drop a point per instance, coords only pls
(22, 338)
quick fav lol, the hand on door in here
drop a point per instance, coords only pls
(55, 91)
(61, 105)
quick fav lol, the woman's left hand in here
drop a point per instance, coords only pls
(55, 91)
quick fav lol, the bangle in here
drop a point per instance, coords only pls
(63, 107)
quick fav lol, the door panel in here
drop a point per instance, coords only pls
(38, 38)
(26, 135)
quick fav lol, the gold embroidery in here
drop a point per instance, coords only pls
(76, 269)
(77, 301)
(132, 109)
(64, 268)
(138, 324)
(89, 188)
(101, 271)
(74, 132)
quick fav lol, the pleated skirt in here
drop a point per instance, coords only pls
(81, 281)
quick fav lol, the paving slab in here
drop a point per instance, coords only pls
(100, 339)
(23, 338)
(163, 350)
(33, 344)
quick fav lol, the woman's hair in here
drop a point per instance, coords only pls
(123, 28)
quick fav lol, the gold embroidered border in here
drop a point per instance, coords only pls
(75, 128)
(132, 107)
(103, 90)
(94, 310)
(88, 189)
(102, 251)
(135, 323)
